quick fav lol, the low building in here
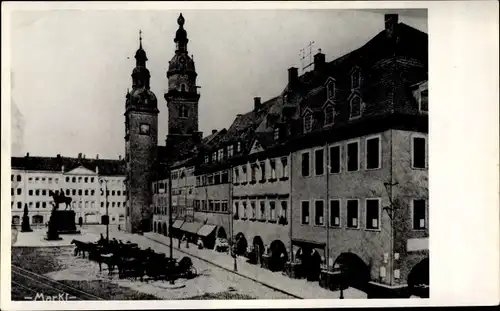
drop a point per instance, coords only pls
(85, 181)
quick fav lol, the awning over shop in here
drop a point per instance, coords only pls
(206, 230)
(191, 227)
(177, 224)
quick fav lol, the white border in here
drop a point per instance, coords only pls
(463, 44)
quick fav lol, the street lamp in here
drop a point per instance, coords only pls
(105, 183)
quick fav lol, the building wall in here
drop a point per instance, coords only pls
(272, 187)
(216, 193)
(410, 244)
(373, 246)
(84, 203)
(141, 158)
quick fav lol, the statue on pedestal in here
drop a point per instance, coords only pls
(25, 226)
(59, 197)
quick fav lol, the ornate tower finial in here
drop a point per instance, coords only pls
(140, 39)
(180, 20)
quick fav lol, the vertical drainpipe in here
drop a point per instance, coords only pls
(230, 207)
(327, 214)
(290, 175)
(392, 210)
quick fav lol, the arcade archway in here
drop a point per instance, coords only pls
(418, 279)
(241, 244)
(221, 233)
(279, 255)
(356, 271)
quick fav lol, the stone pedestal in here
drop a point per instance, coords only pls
(61, 222)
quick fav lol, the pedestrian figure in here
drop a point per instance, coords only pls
(179, 240)
(200, 243)
(119, 228)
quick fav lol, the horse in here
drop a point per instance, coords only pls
(60, 198)
(81, 247)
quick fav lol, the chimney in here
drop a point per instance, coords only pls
(214, 131)
(119, 157)
(62, 168)
(97, 157)
(80, 156)
(27, 154)
(256, 103)
(319, 61)
(97, 170)
(293, 77)
(391, 20)
(239, 115)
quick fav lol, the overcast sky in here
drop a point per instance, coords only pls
(71, 69)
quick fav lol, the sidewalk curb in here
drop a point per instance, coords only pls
(226, 269)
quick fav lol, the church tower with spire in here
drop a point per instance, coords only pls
(141, 143)
(182, 96)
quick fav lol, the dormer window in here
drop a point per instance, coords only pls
(330, 89)
(424, 101)
(308, 120)
(276, 133)
(221, 154)
(329, 114)
(183, 111)
(355, 78)
(355, 107)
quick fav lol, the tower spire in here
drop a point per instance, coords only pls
(140, 39)
(181, 39)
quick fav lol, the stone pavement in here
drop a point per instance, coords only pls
(298, 287)
(36, 238)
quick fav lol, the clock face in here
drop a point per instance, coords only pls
(144, 129)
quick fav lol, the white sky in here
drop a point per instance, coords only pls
(71, 68)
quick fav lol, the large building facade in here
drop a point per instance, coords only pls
(84, 180)
(333, 170)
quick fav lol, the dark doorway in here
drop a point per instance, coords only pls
(154, 227)
(356, 272)
(241, 244)
(278, 255)
(164, 229)
(418, 279)
(221, 233)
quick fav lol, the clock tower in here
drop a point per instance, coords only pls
(141, 141)
(182, 96)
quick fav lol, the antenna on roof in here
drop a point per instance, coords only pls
(304, 54)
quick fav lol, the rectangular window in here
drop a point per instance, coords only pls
(424, 101)
(284, 165)
(372, 214)
(198, 180)
(221, 154)
(230, 151)
(335, 159)
(319, 162)
(236, 176)
(225, 177)
(305, 212)
(373, 153)
(254, 172)
(210, 205)
(210, 179)
(418, 156)
(244, 172)
(214, 156)
(245, 213)
(284, 208)
(319, 210)
(335, 213)
(272, 164)
(352, 214)
(253, 210)
(203, 205)
(236, 208)
(419, 219)
(262, 171)
(263, 210)
(272, 208)
(224, 206)
(217, 178)
(217, 206)
(352, 156)
(30, 192)
(206, 159)
(305, 164)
